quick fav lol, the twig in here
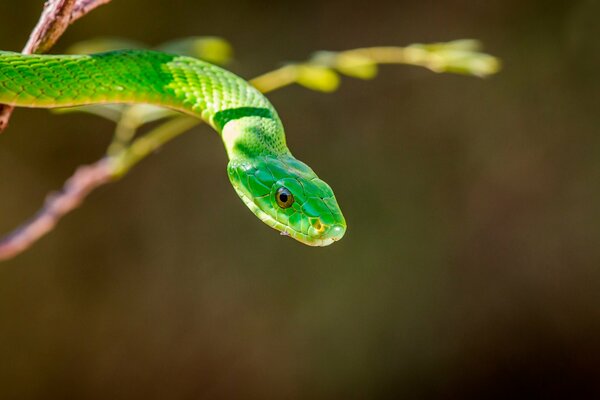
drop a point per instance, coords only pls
(55, 19)
(75, 190)
(280, 77)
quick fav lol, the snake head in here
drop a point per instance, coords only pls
(288, 196)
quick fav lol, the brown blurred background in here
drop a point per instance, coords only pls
(470, 268)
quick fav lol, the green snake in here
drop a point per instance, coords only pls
(280, 190)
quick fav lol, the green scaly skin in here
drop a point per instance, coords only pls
(260, 164)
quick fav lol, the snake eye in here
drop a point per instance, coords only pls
(284, 197)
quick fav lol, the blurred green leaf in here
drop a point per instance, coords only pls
(353, 65)
(459, 56)
(469, 63)
(356, 66)
(317, 77)
(211, 49)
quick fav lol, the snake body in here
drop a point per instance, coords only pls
(280, 190)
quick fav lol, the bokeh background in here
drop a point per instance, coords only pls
(471, 267)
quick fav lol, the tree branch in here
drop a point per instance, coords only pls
(55, 19)
(76, 189)
(316, 74)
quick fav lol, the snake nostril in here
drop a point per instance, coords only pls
(318, 225)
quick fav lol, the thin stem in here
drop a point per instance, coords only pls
(122, 162)
(124, 131)
(276, 79)
(76, 189)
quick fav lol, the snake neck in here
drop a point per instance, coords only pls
(246, 120)
(250, 136)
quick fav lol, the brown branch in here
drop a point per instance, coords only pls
(53, 22)
(55, 19)
(76, 189)
(85, 180)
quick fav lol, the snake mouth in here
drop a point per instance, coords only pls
(328, 234)
(331, 234)
(320, 241)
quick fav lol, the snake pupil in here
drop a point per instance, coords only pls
(284, 197)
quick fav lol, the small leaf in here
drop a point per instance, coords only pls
(356, 66)
(466, 62)
(316, 77)
(347, 63)
(211, 49)
(457, 57)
